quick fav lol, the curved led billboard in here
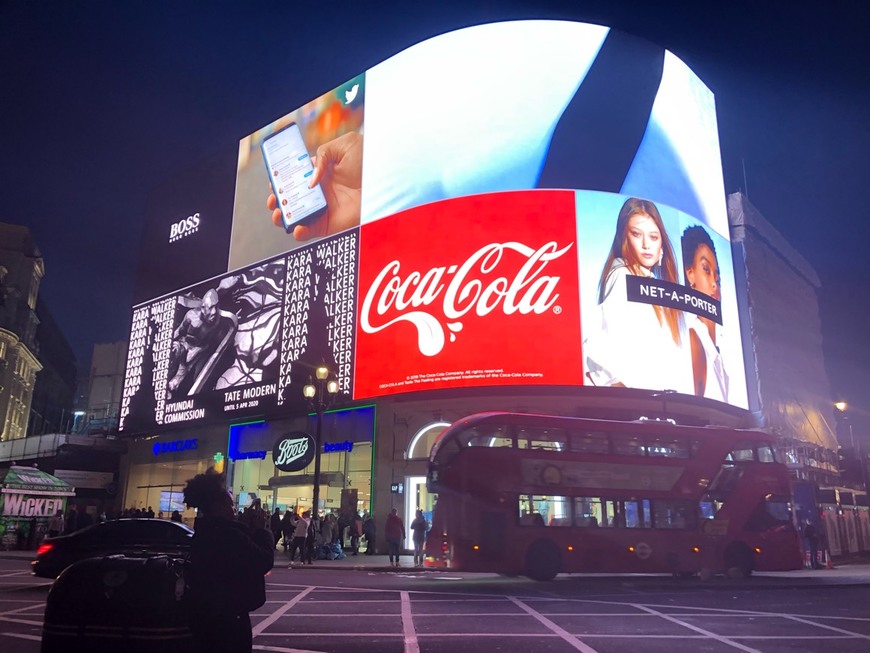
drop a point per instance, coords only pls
(543, 205)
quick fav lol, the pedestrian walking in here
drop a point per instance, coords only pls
(394, 531)
(275, 525)
(300, 534)
(812, 538)
(288, 526)
(419, 527)
(55, 525)
(370, 532)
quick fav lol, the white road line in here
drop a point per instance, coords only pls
(331, 635)
(272, 618)
(408, 631)
(32, 638)
(281, 649)
(556, 628)
(708, 633)
(825, 626)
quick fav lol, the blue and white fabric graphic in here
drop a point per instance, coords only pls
(475, 111)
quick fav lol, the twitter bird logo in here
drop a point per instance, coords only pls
(350, 94)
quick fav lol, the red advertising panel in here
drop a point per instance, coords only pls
(470, 291)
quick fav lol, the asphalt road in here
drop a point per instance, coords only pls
(404, 611)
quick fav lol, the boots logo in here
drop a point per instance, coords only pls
(183, 228)
(293, 451)
(473, 286)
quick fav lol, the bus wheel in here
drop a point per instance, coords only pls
(738, 560)
(543, 561)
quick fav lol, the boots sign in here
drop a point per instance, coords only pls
(294, 451)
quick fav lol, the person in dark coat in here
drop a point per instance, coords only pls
(370, 532)
(228, 562)
(812, 537)
(275, 525)
(394, 530)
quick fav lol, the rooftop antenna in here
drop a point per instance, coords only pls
(745, 183)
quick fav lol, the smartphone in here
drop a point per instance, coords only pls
(290, 170)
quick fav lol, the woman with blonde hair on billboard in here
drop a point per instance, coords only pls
(701, 270)
(637, 344)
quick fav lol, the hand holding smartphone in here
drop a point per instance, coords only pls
(290, 170)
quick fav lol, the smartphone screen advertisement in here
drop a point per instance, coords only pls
(291, 174)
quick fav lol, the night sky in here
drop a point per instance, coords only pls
(101, 102)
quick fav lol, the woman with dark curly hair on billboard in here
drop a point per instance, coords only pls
(228, 561)
(638, 345)
(701, 270)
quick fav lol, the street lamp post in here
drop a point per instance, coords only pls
(320, 395)
(842, 407)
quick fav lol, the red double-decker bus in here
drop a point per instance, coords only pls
(541, 495)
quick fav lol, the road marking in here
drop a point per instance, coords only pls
(825, 626)
(708, 633)
(280, 649)
(272, 618)
(408, 631)
(556, 628)
(32, 638)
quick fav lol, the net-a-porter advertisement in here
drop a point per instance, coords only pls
(510, 220)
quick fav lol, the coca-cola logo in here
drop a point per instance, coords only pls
(474, 286)
(293, 451)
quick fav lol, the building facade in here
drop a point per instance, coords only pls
(21, 271)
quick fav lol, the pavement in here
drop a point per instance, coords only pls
(852, 571)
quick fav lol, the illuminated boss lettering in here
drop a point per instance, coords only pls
(180, 228)
(291, 450)
(529, 291)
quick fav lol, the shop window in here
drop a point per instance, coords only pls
(421, 443)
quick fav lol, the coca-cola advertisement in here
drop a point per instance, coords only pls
(471, 291)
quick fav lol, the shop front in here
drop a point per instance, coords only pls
(346, 454)
(159, 466)
(28, 499)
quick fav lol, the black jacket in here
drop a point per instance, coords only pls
(228, 562)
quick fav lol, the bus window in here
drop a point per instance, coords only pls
(765, 453)
(587, 511)
(634, 513)
(770, 513)
(675, 513)
(745, 451)
(726, 481)
(590, 442)
(667, 447)
(486, 435)
(489, 440)
(708, 508)
(551, 439)
(540, 510)
(447, 452)
(627, 445)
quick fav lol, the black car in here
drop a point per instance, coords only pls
(132, 537)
